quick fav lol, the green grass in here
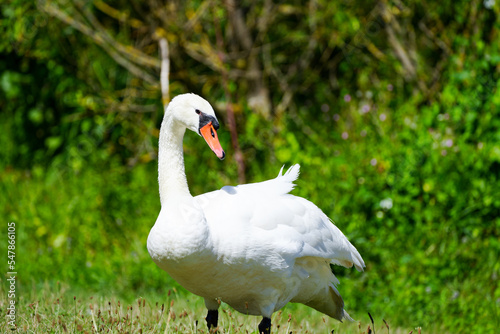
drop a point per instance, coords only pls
(59, 309)
(89, 230)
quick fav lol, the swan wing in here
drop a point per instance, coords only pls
(263, 222)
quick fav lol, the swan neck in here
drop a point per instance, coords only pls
(171, 171)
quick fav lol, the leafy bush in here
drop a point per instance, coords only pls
(403, 154)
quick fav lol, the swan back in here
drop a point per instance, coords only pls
(288, 224)
(280, 185)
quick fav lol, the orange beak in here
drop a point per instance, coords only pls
(210, 135)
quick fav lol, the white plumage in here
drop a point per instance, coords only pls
(254, 246)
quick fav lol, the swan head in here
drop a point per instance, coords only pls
(197, 115)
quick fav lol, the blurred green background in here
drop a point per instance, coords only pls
(392, 109)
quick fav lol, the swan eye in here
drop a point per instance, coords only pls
(198, 111)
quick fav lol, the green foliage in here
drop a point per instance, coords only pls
(403, 155)
(85, 219)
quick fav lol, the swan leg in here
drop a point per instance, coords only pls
(212, 318)
(265, 326)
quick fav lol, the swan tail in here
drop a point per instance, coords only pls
(331, 304)
(347, 317)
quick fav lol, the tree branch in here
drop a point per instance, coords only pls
(103, 41)
(258, 98)
(133, 54)
(165, 70)
(238, 155)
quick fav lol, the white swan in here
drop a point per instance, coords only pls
(254, 246)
